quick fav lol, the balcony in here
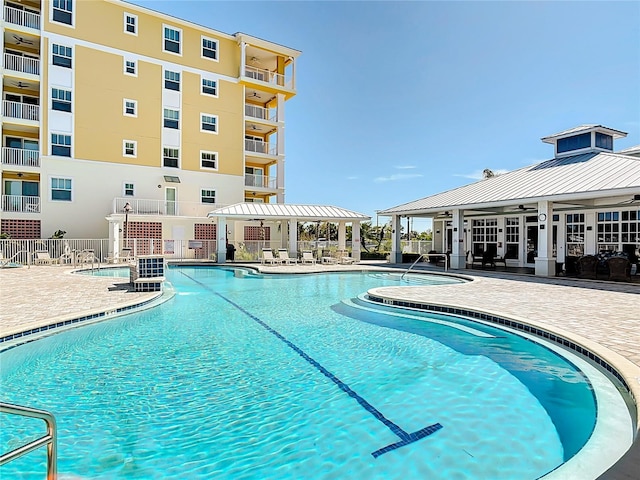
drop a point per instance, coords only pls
(18, 63)
(260, 181)
(163, 207)
(20, 204)
(267, 76)
(260, 113)
(22, 17)
(20, 157)
(258, 146)
(20, 110)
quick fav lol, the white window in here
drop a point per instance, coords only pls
(129, 148)
(209, 87)
(63, 11)
(170, 157)
(208, 160)
(208, 123)
(61, 189)
(130, 67)
(172, 80)
(171, 118)
(129, 189)
(62, 55)
(130, 24)
(171, 42)
(60, 145)
(209, 48)
(208, 196)
(60, 99)
(130, 107)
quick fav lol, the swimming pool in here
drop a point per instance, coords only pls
(250, 376)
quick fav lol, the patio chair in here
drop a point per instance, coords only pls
(619, 269)
(267, 257)
(344, 258)
(587, 267)
(307, 257)
(43, 258)
(283, 255)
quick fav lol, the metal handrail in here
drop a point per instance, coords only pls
(49, 439)
(427, 255)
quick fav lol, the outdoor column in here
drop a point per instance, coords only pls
(342, 236)
(396, 245)
(280, 147)
(458, 258)
(355, 241)
(545, 261)
(221, 234)
(114, 239)
(293, 237)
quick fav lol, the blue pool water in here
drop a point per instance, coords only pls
(244, 376)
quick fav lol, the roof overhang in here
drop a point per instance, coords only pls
(282, 211)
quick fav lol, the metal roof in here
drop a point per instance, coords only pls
(282, 211)
(583, 129)
(589, 175)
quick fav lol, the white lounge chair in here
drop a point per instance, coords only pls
(267, 257)
(307, 257)
(283, 255)
(344, 257)
(43, 258)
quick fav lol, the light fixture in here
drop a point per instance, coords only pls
(171, 179)
(20, 174)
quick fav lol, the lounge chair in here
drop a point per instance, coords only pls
(344, 258)
(619, 269)
(307, 257)
(267, 257)
(43, 258)
(283, 255)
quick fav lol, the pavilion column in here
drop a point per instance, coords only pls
(114, 239)
(396, 245)
(458, 258)
(293, 237)
(545, 261)
(221, 234)
(342, 236)
(355, 241)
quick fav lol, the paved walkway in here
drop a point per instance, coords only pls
(602, 316)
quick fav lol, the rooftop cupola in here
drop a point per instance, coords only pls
(583, 139)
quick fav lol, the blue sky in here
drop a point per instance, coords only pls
(400, 100)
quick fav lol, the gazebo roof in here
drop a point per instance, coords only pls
(284, 211)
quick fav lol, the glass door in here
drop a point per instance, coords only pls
(531, 244)
(170, 199)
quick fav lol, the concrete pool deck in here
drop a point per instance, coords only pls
(603, 317)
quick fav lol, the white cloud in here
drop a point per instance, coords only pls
(352, 178)
(396, 177)
(405, 167)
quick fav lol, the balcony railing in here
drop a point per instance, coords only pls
(261, 113)
(24, 111)
(20, 204)
(163, 207)
(260, 147)
(21, 17)
(21, 157)
(18, 63)
(267, 76)
(260, 181)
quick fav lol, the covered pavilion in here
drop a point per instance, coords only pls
(291, 213)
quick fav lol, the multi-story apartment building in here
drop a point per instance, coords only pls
(108, 106)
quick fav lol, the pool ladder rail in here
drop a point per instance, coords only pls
(49, 439)
(427, 255)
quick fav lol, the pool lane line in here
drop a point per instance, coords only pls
(405, 438)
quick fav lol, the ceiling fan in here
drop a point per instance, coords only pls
(21, 85)
(20, 40)
(254, 60)
(254, 127)
(255, 95)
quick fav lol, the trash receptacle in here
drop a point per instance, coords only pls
(231, 252)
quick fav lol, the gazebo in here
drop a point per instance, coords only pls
(291, 213)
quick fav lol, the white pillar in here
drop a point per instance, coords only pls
(221, 234)
(280, 148)
(114, 239)
(293, 237)
(545, 261)
(355, 241)
(243, 58)
(396, 245)
(342, 236)
(458, 257)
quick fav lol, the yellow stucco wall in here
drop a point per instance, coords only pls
(100, 89)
